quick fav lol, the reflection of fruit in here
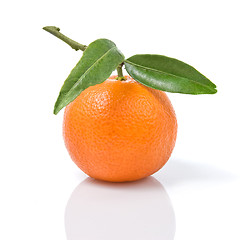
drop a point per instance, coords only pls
(120, 130)
(120, 211)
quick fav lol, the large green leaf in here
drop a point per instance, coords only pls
(168, 74)
(99, 60)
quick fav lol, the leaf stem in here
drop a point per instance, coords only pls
(120, 73)
(56, 32)
(78, 46)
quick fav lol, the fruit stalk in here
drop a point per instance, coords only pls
(120, 72)
(56, 32)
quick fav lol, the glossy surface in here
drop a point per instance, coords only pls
(37, 176)
(132, 211)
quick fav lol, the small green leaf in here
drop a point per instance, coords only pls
(99, 60)
(168, 74)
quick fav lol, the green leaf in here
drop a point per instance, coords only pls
(168, 74)
(99, 60)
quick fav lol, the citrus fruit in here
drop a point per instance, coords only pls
(123, 128)
(120, 130)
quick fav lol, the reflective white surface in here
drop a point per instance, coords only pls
(204, 199)
(43, 195)
(137, 210)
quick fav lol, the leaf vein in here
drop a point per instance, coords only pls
(156, 70)
(94, 64)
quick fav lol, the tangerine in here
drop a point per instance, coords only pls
(120, 130)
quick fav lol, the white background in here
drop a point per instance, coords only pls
(195, 196)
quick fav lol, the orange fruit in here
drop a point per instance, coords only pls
(120, 130)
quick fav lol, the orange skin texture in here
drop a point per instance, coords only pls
(120, 131)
